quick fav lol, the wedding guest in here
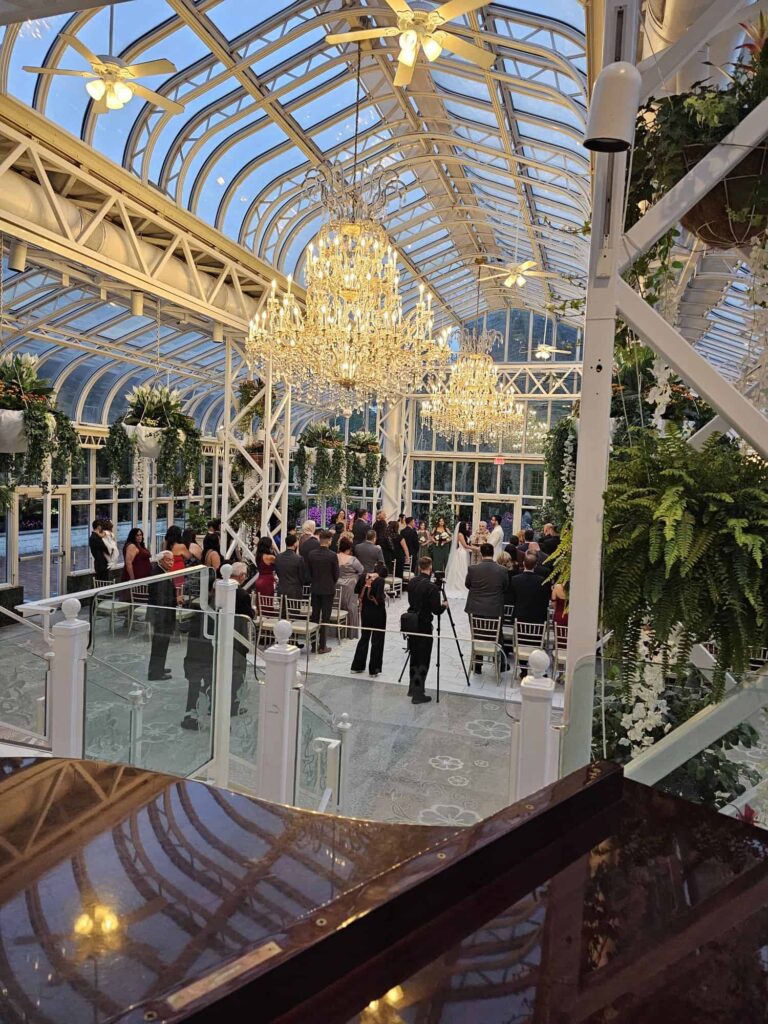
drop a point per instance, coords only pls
(163, 599)
(339, 526)
(350, 571)
(265, 563)
(440, 546)
(308, 542)
(109, 539)
(369, 552)
(99, 551)
(291, 570)
(360, 526)
(424, 540)
(324, 574)
(189, 538)
(373, 616)
(136, 557)
(399, 548)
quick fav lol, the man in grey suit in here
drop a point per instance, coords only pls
(368, 552)
(487, 583)
(291, 570)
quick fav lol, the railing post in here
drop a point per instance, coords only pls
(343, 726)
(224, 592)
(69, 640)
(276, 751)
(534, 760)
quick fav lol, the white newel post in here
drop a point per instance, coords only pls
(343, 726)
(276, 751)
(535, 763)
(69, 640)
(224, 591)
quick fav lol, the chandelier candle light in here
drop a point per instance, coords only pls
(353, 342)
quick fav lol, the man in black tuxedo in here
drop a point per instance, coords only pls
(291, 570)
(163, 598)
(323, 574)
(530, 593)
(308, 542)
(550, 539)
(360, 527)
(99, 551)
(411, 537)
(488, 584)
(425, 599)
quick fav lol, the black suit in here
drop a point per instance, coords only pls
(243, 607)
(292, 574)
(307, 545)
(359, 529)
(323, 573)
(100, 553)
(411, 538)
(487, 583)
(530, 595)
(423, 598)
(549, 544)
(162, 616)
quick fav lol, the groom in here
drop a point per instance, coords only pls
(496, 536)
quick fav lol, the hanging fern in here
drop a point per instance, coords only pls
(301, 463)
(685, 551)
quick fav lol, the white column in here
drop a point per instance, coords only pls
(46, 580)
(69, 640)
(392, 449)
(276, 750)
(225, 639)
(146, 523)
(594, 415)
(344, 726)
(535, 763)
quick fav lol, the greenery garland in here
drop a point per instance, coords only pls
(560, 448)
(329, 467)
(49, 432)
(365, 463)
(181, 450)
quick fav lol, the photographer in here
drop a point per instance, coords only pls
(373, 618)
(425, 600)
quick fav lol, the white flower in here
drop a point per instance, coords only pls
(446, 764)
(486, 728)
(448, 814)
(458, 780)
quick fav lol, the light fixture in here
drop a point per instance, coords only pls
(352, 342)
(96, 89)
(17, 256)
(137, 304)
(432, 47)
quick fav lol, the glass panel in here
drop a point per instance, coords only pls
(465, 476)
(23, 686)
(486, 477)
(533, 480)
(517, 343)
(160, 660)
(314, 758)
(246, 696)
(536, 427)
(109, 717)
(443, 476)
(421, 475)
(510, 478)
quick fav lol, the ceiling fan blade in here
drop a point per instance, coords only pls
(496, 272)
(404, 74)
(399, 6)
(455, 8)
(154, 97)
(527, 265)
(151, 67)
(61, 71)
(81, 48)
(363, 33)
(468, 51)
(541, 273)
(510, 281)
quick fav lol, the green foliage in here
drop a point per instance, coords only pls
(442, 507)
(181, 450)
(247, 390)
(364, 460)
(560, 467)
(197, 518)
(6, 496)
(710, 777)
(684, 551)
(49, 432)
(328, 469)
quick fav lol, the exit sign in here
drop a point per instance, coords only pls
(498, 461)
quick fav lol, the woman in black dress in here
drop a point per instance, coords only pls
(398, 547)
(373, 618)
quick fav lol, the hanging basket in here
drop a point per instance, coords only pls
(711, 219)
(13, 438)
(149, 440)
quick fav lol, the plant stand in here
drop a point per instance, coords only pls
(711, 218)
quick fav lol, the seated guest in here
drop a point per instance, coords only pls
(530, 593)
(368, 552)
(559, 599)
(510, 564)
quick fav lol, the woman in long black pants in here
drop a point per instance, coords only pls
(373, 617)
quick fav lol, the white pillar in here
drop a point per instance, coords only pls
(69, 640)
(535, 763)
(276, 749)
(222, 704)
(343, 726)
(622, 21)
(392, 450)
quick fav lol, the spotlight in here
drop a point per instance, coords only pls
(17, 256)
(613, 110)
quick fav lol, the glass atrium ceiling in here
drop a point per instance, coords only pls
(491, 160)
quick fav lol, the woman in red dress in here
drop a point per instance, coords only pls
(136, 557)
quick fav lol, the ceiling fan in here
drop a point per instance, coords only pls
(516, 274)
(111, 83)
(544, 351)
(418, 28)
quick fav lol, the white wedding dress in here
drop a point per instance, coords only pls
(458, 563)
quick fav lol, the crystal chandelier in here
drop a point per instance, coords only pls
(352, 342)
(469, 401)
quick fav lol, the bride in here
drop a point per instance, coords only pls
(458, 562)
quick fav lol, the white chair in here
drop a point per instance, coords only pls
(529, 637)
(140, 601)
(111, 606)
(486, 638)
(508, 624)
(339, 615)
(561, 647)
(408, 573)
(269, 608)
(393, 585)
(297, 611)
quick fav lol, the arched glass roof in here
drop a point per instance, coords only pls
(491, 160)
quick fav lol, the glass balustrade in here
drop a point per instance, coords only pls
(24, 681)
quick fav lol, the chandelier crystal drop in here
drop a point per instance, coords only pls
(470, 401)
(352, 342)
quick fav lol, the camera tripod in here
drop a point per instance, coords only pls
(441, 584)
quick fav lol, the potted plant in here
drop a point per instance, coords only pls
(320, 448)
(155, 427)
(37, 441)
(675, 132)
(364, 459)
